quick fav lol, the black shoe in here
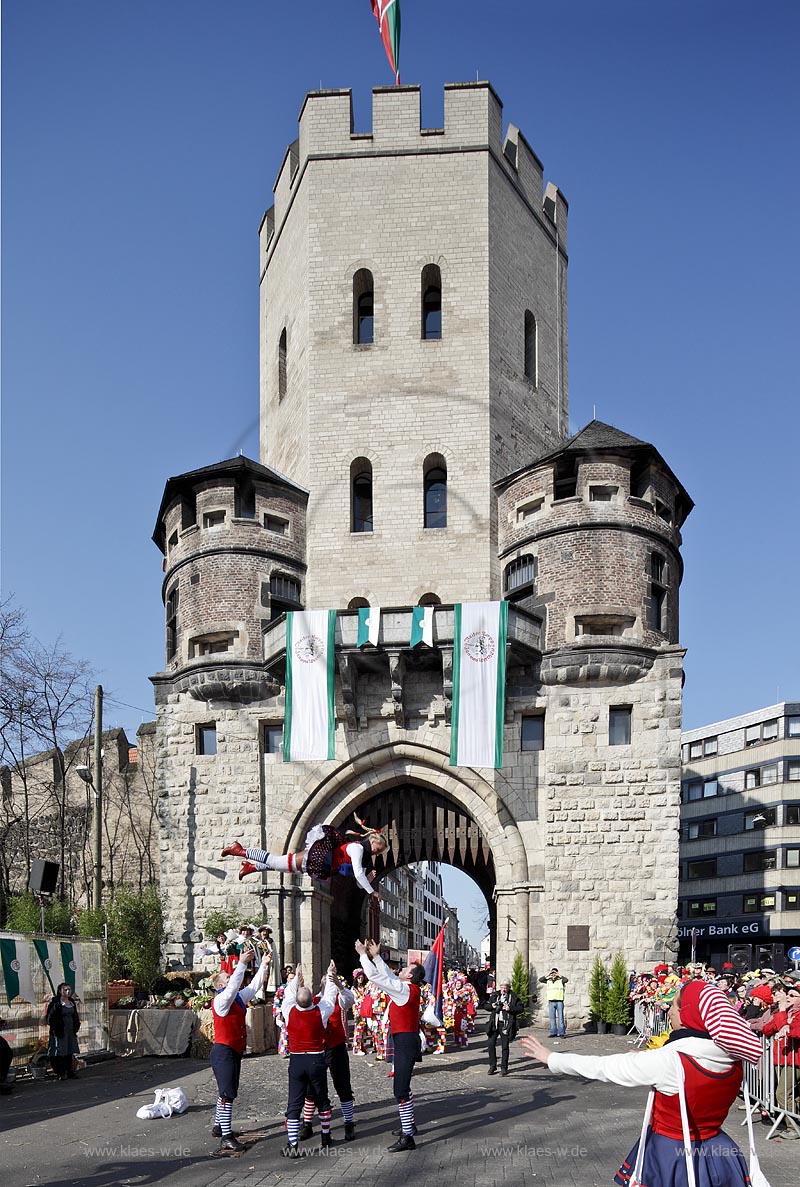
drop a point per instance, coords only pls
(326, 1141)
(492, 1071)
(231, 1143)
(290, 1151)
(404, 1142)
(505, 1073)
(306, 1131)
(349, 1131)
(552, 1035)
(398, 1133)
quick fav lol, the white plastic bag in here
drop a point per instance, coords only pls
(430, 1017)
(167, 1101)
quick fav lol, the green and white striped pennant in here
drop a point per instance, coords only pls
(480, 631)
(15, 956)
(49, 954)
(310, 720)
(72, 964)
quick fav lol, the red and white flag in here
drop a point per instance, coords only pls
(387, 14)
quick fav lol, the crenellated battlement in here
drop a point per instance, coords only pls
(473, 120)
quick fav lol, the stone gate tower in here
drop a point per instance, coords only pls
(414, 449)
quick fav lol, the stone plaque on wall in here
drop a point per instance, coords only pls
(578, 938)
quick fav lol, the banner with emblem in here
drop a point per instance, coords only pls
(16, 960)
(49, 954)
(309, 720)
(480, 630)
(73, 967)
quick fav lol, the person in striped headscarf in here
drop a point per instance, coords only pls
(710, 1041)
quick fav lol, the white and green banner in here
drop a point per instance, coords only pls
(16, 960)
(480, 630)
(422, 626)
(309, 722)
(73, 967)
(369, 625)
(49, 954)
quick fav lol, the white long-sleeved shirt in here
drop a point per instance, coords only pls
(223, 1001)
(642, 1069)
(356, 854)
(379, 975)
(326, 1004)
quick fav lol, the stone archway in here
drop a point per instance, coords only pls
(460, 800)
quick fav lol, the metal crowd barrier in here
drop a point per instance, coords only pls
(649, 1020)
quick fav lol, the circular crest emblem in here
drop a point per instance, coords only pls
(48, 964)
(309, 648)
(479, 646)
(16, 966)
(73, 966)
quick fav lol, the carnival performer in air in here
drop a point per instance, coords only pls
(336, 1058)
(404, 996)
(306, 1022)
(229, 1008)
(327, 852)
(700, 1065)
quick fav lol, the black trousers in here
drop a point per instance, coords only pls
(338, 1063)
(308, 1077)
(226, 1065)
(505, 1042)
(406, 1050)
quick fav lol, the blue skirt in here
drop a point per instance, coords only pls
(718, 1162)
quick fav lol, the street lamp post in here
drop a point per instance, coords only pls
(96, 785)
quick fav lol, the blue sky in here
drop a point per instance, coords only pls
(140, 146)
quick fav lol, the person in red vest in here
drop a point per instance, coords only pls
(229, 1008)
(336, 1058)
(306, 1023)
(404, 993)
(699, 1068)
(327, 852)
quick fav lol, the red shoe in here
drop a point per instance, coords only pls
(237, 849)
(247, 868)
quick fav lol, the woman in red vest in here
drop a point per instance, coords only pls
(404, 995)
(229, 1008)
(700, 1064)
(327, 852)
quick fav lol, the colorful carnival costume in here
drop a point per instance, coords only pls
(363, 1011)
(327, 852)
(280, 1022)
(700, 1070)
(229, 1009)
(435, 1036)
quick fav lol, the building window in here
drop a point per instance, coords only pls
(764, 818)
(188, 510)
(709, 747)
(429, 599)
(434, 486)
(793, 772)
(791, 900)
(791, 859)
(532, 731)
(173, 541)
(755, 903)
(619, 725)
(363, 308)
(663, 511)
(657, 618)
(282, 364)
(793, 727)
(361, 495)
(531, 348)
(273, 739)
(769, 775)
(520, 574)
(603, 624)
(565, 480)
(358, 604)
(276, 525)
(284, 594)
(527, 510)
(217, 643)
(244, 501)
(701, 828)
(214, 519)
(752, 778)
(791, 814)
(707, 868)
(710, 789)
(700, 907)
(172, 622)
(602, 494)
(765, 731)
(760, 859)
(206, 739)
(695, 750)
(431, 302)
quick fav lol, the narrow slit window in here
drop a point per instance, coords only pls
(282, 364)
(361, 516)
(431, 302)
(531, 348)
(363, 308)
(435, 492)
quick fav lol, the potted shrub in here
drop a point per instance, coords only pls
(618, 1007)
(598, 995)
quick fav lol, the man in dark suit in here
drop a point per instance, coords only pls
(504, 1009)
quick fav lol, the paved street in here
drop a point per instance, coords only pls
(475, 1130)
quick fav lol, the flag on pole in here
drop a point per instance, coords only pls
(369, 625)
(73, 967)
(387, 14)
(434, 971)
(16, 960)
(309, 718)
(422, 626)
(480, 630)
(49, 954)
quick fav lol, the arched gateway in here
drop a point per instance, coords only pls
(572, 831)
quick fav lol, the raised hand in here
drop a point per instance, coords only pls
(360, 947)
(535, 1048)
(373, 949)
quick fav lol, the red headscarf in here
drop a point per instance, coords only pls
(705, 1007)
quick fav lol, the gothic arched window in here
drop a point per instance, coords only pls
(361, 495)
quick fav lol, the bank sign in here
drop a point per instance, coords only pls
(731, 929)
